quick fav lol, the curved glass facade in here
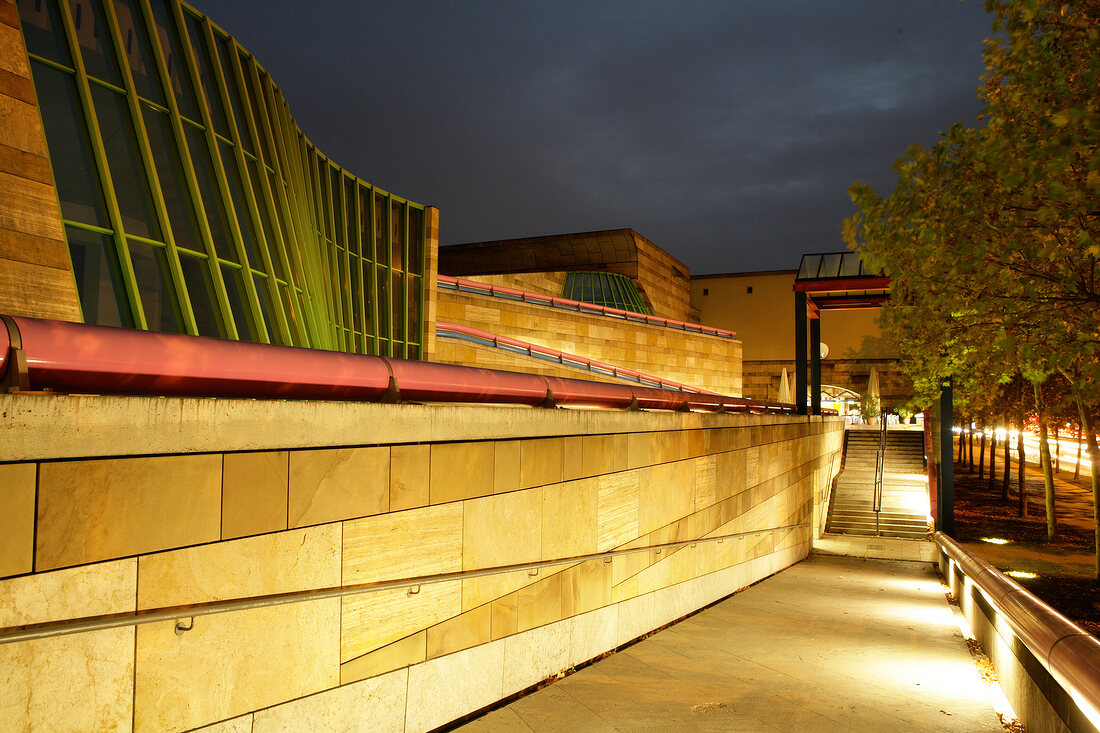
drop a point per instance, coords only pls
(193, 203)
(604, 288)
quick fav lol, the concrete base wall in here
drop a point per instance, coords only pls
(117, 505)
(1037, 699)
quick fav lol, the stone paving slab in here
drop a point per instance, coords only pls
(834, 643)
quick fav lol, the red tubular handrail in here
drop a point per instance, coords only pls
(74, 357)
(581, 393)
(1068, 652)
(80, 358)
(424, 381)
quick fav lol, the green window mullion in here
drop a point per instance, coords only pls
(357, 292)
(114, 215)
(262, 245)
(375, 322)
(405, 280)
(252, 309)
(346, 257)
(331, 246)
(160, 208)
(422, 269)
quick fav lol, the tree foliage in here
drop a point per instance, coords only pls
(992, 236)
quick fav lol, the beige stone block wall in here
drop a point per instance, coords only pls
(503, 487)
(698, 360)
(35, 273)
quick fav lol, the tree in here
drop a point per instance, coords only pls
(992, 236)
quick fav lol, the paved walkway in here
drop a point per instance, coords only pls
(834, 643)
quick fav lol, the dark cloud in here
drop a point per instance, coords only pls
(726, 132)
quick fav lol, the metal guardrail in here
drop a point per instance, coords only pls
(880, 469)
(39, 355)
(499, 291)
(1069, 653)
(48, 629)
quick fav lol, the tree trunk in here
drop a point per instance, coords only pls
(1080, 440)
(1021, 467)
(962, 446)
(1008, 466)
(970, 448)
(1057, 451)
(1044, 461)
(981, 458)
(1094, 456)
(993, 460)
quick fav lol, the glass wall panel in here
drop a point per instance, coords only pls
(234, 288)
(416, 239)
(412, 308)
(171, 49)
(290, 308)
(135, 40)
(382, 300)
(397, 241)
(98, 278)
(244, 220)
(181, 211)
(200, 289)
(381, 221)
(95, 41)
(135, 201)
(206, 73)
(154, 281)
(70, 148)
(226, 57)
(208, 188)
(265, 306)
(42, 31)
(398, 309)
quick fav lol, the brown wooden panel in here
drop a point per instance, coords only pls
(25, 165)
(27, 206)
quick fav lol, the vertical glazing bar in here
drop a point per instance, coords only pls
(405, 280)
(422, 291)
(133, 297)
(372, 212)
(183, 302)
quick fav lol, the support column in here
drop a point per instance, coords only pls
(945, 498)
(815, 365)
(799, 397)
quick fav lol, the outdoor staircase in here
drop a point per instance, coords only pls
(904, 510)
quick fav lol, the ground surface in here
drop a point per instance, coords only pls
(1066, 568)
(832, 643)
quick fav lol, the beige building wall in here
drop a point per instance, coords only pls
(759, 306)
(119, 505)
(35, 272)
(698, 360)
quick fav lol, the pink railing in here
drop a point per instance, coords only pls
(499, 291)
(40, 355)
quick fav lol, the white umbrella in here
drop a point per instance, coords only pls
(784, 388)
(872, 384)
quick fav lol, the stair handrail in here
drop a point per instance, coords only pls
(880, 468)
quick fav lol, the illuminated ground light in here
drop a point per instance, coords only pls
(1022, 574)
(995, 540)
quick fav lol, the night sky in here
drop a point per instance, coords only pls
(726, 132)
